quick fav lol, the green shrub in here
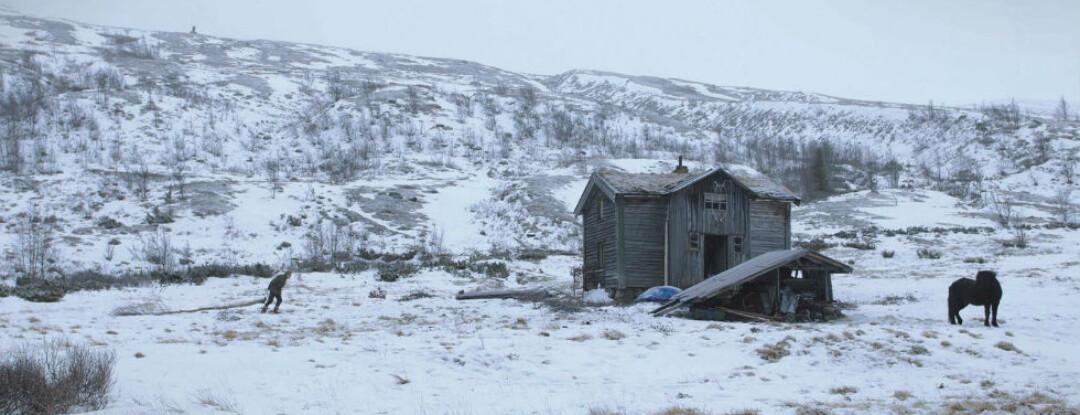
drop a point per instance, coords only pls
(394, 271)
(493, 269)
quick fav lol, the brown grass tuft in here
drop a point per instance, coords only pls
(580, 337)
(774, 352)
(612, 334)
(1006, 346)
(843, 390)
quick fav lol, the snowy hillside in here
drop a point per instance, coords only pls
(135, 160)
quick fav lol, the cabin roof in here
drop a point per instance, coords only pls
(615, 182)
(751, 269)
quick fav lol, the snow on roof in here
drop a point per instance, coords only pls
(758, 184)
(622, 182)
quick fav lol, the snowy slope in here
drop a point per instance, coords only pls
(334, 350)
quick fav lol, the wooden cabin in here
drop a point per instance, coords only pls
(645, 230)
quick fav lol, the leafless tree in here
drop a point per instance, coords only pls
(34, 246)
(1061, 206)
(1068, 168)
(271, 168)
(157, 249)
(1003, 207)
(1061, 113)
(337, 87)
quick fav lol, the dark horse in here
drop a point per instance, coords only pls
(984, 290)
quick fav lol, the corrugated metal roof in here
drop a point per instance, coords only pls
(753, 268)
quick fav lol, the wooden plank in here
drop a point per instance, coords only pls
(747, 314)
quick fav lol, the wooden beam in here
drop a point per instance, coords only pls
(747, 314)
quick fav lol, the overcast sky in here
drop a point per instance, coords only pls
(954, 52)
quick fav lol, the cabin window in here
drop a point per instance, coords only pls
(695, 242)
(600, 255)
(736, 244)
(716, 202)
(601, 210)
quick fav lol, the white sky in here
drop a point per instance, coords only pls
(954, 52)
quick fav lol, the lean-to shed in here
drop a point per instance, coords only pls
(644, 230)
(763, 283)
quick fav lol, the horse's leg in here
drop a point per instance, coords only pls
(986, 312)
(954, 314)
(994, 321)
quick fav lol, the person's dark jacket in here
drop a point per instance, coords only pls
(277, 283)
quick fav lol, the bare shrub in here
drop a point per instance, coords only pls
(54, 377)
(927, 253)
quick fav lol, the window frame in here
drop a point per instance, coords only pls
(716, 202)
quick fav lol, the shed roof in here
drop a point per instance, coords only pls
(615, 182)
(746, 271)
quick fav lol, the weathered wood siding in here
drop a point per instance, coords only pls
(642, 244)
(598, 231)
(687, 217)
(770, 226)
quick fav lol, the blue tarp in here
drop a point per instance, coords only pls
(661, 293)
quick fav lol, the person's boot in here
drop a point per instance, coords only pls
(264, 308)
(275, 310)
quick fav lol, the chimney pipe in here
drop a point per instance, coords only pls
(681, 169)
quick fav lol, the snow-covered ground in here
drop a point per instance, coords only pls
(384, 154)
(335, 350)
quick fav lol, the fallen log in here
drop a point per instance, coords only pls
(196, 310)
(532, 293)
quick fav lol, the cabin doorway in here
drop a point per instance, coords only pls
(715, 255)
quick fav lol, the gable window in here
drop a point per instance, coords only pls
(601, 210)
(716, 202)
